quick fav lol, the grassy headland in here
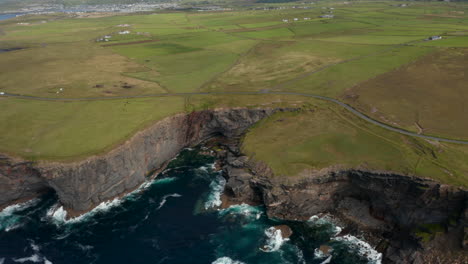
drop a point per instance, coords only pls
(372, 55)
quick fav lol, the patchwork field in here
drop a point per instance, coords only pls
(427, 96)
(372, 55)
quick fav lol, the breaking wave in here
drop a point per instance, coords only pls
(226, 260)
(248, 211)
(362, 248)
(58, 214)
(274, 240)
(9, 217)
(327, 222)
(164, 199)
(216, 189)
(36, 257)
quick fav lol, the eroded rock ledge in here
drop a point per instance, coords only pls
(82, 185)
(391, 211)
(387, 208)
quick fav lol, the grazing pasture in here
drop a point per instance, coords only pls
(372, 55)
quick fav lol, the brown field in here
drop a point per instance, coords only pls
(427, 96)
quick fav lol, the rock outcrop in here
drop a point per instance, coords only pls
(82, 185)
(389, 210)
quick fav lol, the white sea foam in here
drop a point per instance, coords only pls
(326, 220)
(203, 168)
(319, 254)
(362, 248)
(164, 180)
(216, 189)
(34, 258)
(9, 219)
(274, 240)
(226, 260)
(59, 215)
(328, 260)
(242, 209)
(2, 260)
(164, 199)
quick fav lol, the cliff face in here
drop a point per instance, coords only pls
(389, 210)
(83, 185)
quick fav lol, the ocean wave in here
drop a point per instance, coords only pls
(58, 214)
(248, 211)
(319, 254)
(34, 258)
(164, 180)
(2, 260)
(164, 199)
(328, 260)
(326, 221)
(37, 257)
(274, 240)
(362, 248)
(216, 189)
(208, 167)
(9, 219)
(226, 260)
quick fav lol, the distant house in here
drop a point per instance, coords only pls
(306, 18)
(434, 38)
(123, 25)
(124, 32)
(296, 19)
(285, 20)
(327, 16)
(105, 38)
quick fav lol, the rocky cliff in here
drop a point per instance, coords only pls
(82, 185)
(408, 219)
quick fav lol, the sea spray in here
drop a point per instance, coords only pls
(274, 240)
(58, 214)
(226, 260)
(247, 211)
(327, 222)
(10, 218)
(361, 247)
(36, 257)
(164, 199)
(216, 190)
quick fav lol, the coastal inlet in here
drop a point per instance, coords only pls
(173, 219)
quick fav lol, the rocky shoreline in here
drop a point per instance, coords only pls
(408, 219)
(390, 211)
(82, 185)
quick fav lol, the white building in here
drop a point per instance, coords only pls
(125, 32)
(434, 38)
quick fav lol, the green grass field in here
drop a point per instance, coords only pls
(355, 57)
(325, 136)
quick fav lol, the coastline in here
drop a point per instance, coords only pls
(379, 205)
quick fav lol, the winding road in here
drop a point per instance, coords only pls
(329, 99)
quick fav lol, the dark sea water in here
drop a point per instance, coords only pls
(168, 220)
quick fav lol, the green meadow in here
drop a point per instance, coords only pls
(346, 57)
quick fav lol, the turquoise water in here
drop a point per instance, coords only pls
(169, 220)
